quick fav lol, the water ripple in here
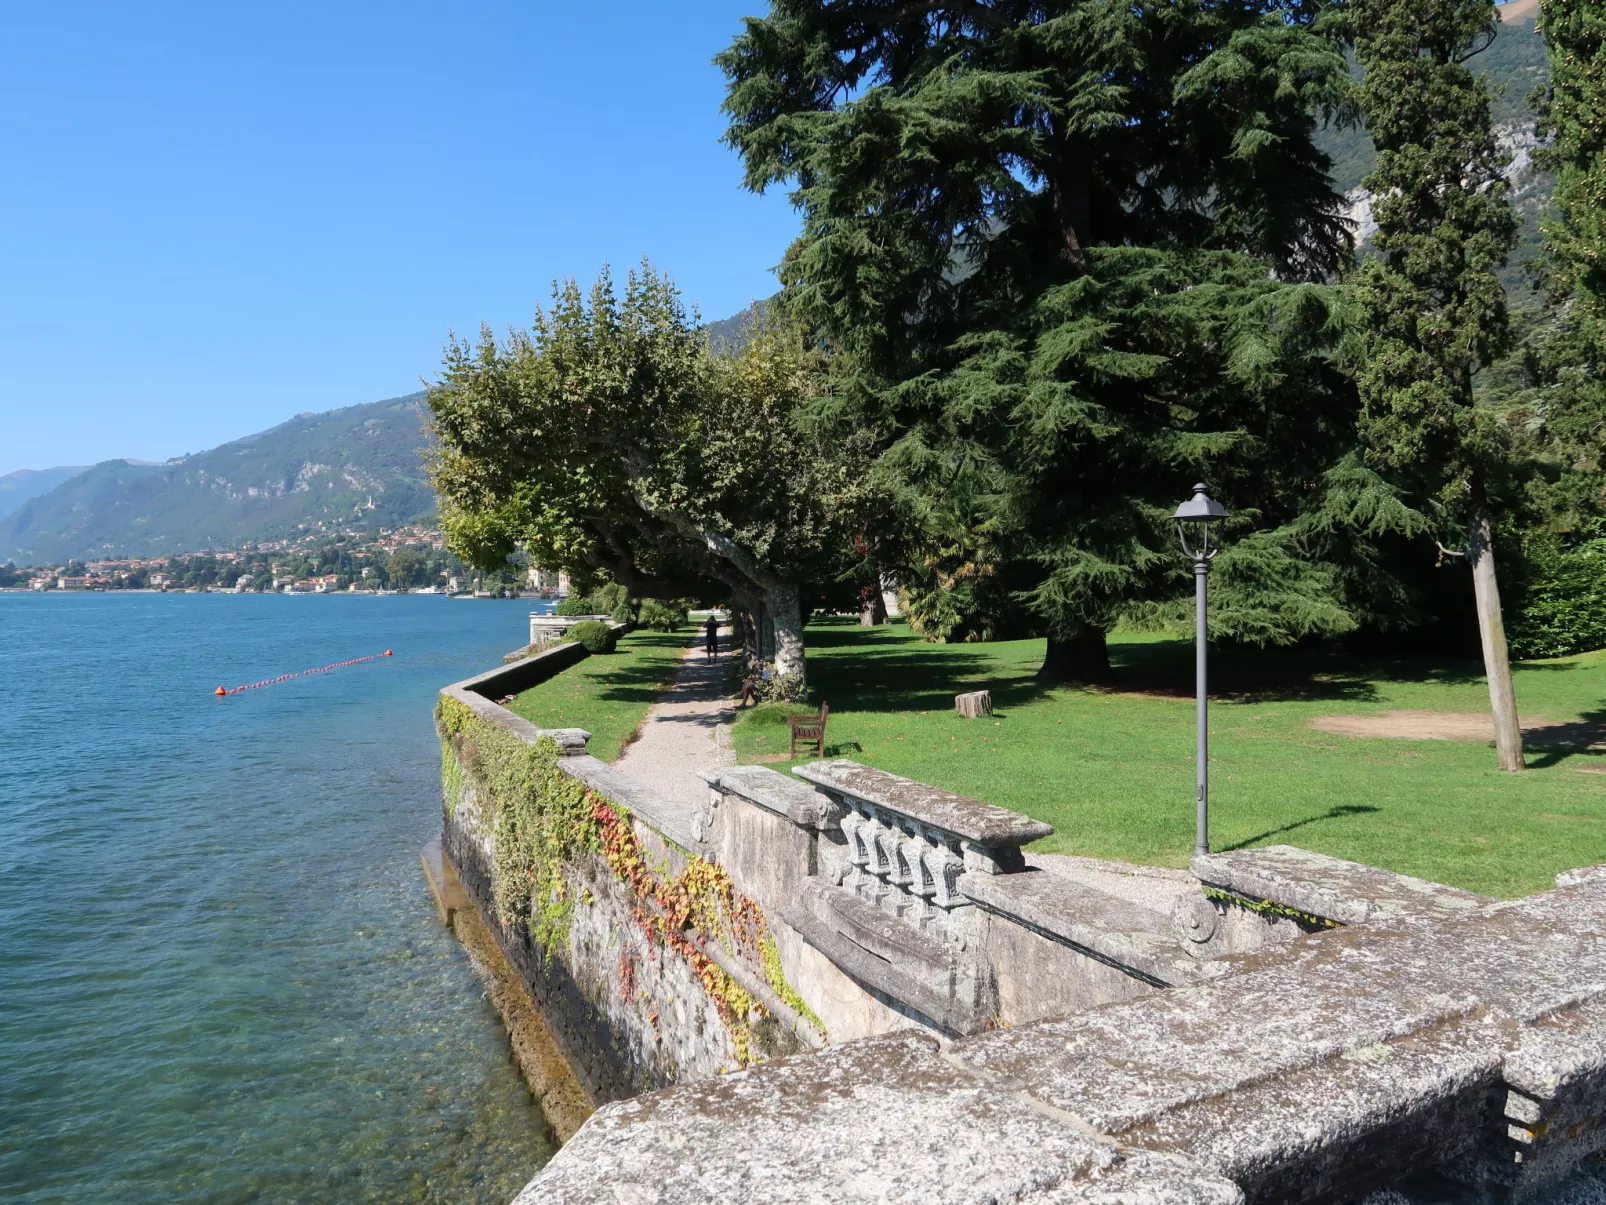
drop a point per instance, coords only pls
(221, 979)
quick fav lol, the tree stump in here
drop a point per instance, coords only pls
(976, 703)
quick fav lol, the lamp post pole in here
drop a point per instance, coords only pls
(1201, 578)
(1199, 529)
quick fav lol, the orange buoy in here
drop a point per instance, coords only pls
(220, 691)
(387, 652)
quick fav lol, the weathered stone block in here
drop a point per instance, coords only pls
(880, 1120)
(1347, 892)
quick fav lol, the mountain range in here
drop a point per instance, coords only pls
(16, 488)
(358, 468)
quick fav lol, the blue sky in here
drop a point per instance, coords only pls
(213, 216)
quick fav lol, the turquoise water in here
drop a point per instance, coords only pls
(221, 977)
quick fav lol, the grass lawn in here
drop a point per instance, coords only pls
(607, 694)
(1112, 770)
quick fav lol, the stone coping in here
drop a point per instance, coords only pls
(514, 676)
(774, 792)
(1347, 892)
(1101, 926)
(672, 819)
(544, 625)
(880, 1120)
(971, 819)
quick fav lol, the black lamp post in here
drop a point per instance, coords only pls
(1199, 529)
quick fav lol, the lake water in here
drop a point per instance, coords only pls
(221, 976)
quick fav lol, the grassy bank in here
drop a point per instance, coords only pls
(607, 694)
(1113, 770)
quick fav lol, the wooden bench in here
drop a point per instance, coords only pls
(810, 729)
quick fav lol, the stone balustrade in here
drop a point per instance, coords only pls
(907, 846)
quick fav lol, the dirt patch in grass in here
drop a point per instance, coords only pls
(1460, 726)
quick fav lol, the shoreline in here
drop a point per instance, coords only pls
(562, 1099)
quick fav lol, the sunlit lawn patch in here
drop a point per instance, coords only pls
(607, 694)
(1113, 770)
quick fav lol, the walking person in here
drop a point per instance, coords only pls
(711, 637)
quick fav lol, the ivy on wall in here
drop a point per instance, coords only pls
(544, 819)
(541, 819)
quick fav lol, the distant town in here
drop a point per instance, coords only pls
(405, 560)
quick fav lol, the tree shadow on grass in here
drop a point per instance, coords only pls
(881, 669)
(1561, 741)
(1252, 675)
(1333, 813)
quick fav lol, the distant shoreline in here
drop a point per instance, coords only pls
(283, 593)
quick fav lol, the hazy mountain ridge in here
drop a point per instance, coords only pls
(18, 487)
(315, 471)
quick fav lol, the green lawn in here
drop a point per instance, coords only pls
(1113, 770)
(607, 694)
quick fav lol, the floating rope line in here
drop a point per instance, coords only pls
(322, 669)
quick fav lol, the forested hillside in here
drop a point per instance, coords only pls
(315, 472)
(18, 487)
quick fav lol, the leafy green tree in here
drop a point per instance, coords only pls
(1432, 309)
(611, 440)
(405, 568)
(1050, 246)
(1573, 114)
(1568, 359)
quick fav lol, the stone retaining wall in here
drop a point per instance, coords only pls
(1000, 1026)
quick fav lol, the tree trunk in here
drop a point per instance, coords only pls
(1496, 659)
(745, 622)
(1071, 190)
(872, 607)
(785, 615)
(1084, 657)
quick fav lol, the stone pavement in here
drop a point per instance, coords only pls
(687, 730)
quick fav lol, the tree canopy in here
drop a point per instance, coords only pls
(1065, 258)
(609, 438)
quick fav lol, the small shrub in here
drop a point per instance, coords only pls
(597, 636)
(662, 616)
(575, 604)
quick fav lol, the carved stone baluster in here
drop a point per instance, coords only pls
(882, 837)
(928, 868)
(948, 867)
(906, 869)
(856, 829)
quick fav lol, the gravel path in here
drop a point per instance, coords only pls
(686, 730)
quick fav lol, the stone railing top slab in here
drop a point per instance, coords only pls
(878, 1120)
(975, 821)
(670, 817)
(799, 803)
(1347, 892)
(1109, 928)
